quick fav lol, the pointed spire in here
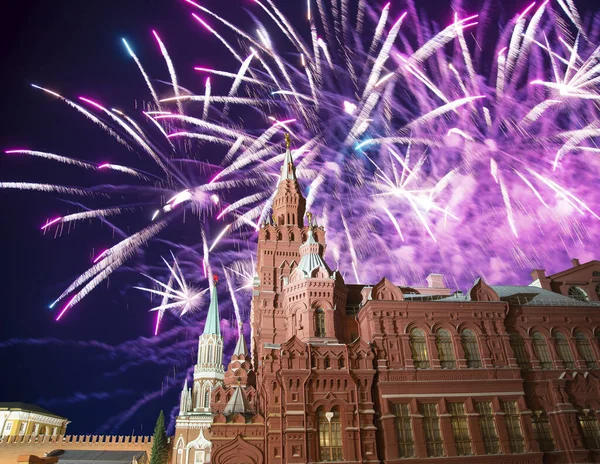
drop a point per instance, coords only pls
(240, 347)
(288, 170)
(213, 320)
(238, 404)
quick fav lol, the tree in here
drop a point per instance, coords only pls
(160, 450)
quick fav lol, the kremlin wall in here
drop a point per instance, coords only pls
(380, 373)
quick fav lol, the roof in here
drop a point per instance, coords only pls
(288, 170)
(240, 347)
(573, 269)
(28, 408)
(310, 261)
(213, 321)
(98, 456)
(237, 404)
(536, 296)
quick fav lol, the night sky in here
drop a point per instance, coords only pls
(69, 367)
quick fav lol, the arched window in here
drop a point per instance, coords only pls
(542, 431)
(291, 236)
(209, 357)
(330, 435)
(418, 346)
(518, 346)
(443, 341)
(267, 235)
(588, 423)
(578, 293)
(598, 291)
(327, 362)
(471, 349)
(207, 398)
(564, 350)
(541, 350)
(585, 350)
(320, 322)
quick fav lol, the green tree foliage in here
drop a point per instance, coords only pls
(160, 450)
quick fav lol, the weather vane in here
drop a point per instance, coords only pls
(288, 141)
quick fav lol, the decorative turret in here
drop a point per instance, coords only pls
(239, 371)
(311, 258)
(185, 403)
(289, 204)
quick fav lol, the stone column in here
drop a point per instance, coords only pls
(474, 429)
(461, 360)
(434, 357)
(501, 426)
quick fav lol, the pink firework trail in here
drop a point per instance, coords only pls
(434, 151)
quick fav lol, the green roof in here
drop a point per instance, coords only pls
(15, 405)
(213, 321)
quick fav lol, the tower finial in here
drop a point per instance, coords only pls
(309, 217)
(288, 141)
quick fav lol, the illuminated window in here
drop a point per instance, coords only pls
(564, 350)
(418, 346)
(487, 425)
(22, 428)
(588, 422)
(8, 428)
(320, 322)
(460, 429)
(585, 350)
(578, 293)
(518, 346)
(541, 350)
(471, 349)
(542, 431)
(330, 435)
(443, 341)
(404, 431)
(513, 422)
(431, 428)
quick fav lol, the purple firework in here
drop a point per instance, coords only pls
(420, 148)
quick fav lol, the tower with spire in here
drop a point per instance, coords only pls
(195, 414)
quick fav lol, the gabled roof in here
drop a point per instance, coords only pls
(574, 269)
(213, 320)
(28, 408)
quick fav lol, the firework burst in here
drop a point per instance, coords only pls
(431, 146)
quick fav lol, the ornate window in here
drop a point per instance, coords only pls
(443, 341)
(487, 425)
(585, 350)
(578, 293)
(207, 398)
(542, 431)
(209, 356)
(564, 350)
(320, 322)
(418, 346)
(513, 422)
(460, 429)
(588, 422)
(404, 433)
(330, 435)
(471, 349)
(518, 346)
(431, 428)
(541, 350)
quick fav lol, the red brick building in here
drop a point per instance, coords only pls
(381, 373)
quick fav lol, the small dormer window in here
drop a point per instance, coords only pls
(578, 293)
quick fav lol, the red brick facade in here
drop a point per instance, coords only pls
(359, 373)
